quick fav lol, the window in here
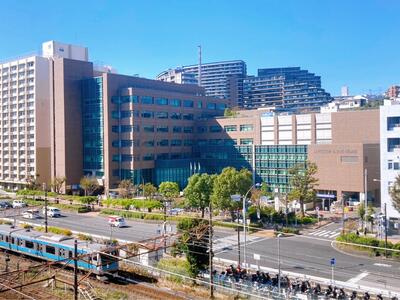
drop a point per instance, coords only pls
(148, 144)
(50, 249)
(199, 104)
(175, 143)
(162, 129)
(187, 129)
(216, 142)
(188, 116)
(29, 244)
(229, 128)
(246, 141)
(177, 129)
(148, 156)
(161, 101)
(396, 166)
(188, 142)
(211, 105)
(175, 102)
(202, 142)
(148, 128)
(246, 127)
(176, 116)
(201, 129)
(162, 143)
(147, 114)
(187, 103)
(221, 106)
(147, 100)
(161, 115)
(215, 128)
(230, 142)
(163, 156)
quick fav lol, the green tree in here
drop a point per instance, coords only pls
(303, 183)
(126, 188)
(230, 182)
(193, 242)
(395, 193)
(198, 191)
(169, 189)
(149, 190)
(57, 183)
(229, 112)
(89, 184)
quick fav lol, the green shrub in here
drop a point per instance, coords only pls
(87, 199)
(55, 230)
(175, 265)
(5, 222)
(136, 203)
(85, 237)
(290, 230)
(83, 209)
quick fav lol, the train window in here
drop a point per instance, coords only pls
(7, 239)
(12, 240)
(50, 249)
(29, 244)
(70, 254)
(1, 237)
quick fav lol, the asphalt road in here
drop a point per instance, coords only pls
(308, 254)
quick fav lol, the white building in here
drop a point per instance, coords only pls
(344, 91)
(178, 75)
(25, 95)
(342, 103)
(389, 154)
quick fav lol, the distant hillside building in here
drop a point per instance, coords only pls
(393, 92)
(286, 89)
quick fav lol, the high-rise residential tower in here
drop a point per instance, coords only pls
(216, 78)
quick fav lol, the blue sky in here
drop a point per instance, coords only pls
(352, 42)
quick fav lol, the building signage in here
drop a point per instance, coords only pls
(335, 151)
(329, 196)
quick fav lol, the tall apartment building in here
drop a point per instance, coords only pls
(389, 157)
(393, 92)
(215, 78)
(285, 89)
(25, 97)
(178, 75)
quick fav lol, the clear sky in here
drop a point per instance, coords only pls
(347, 42)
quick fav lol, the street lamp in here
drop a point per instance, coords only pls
(45, 206)
(279, 263)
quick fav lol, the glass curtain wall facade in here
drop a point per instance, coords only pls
(92, 122)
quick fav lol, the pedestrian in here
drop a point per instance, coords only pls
(358, 233)
(365, 231)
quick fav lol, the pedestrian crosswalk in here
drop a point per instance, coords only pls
(326, 233)
(231, 241)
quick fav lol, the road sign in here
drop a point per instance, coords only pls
(257, 256)
(333, 261)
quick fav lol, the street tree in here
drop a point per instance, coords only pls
(303, 183)
(198, 191)
(395, 193)
(361, 214)
(169, 189)
(149, 190)
(193, 242)
(126, 188)
(32, 182)
(57, 183)
(89, 184)
(230, 182)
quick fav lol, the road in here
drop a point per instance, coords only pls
(308, 254)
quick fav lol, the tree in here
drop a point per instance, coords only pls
(193, 242)
(32, 182)
(89, 184)
(169, 189)
(198, 191)
(149, 190)
(395, 193)
(303, 183)
(229, 112)
(230, 182)
(57, 183)
(126, 188)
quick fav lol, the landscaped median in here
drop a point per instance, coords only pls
(368, 245)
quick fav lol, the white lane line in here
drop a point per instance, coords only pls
(327, 234)
(358, 277)
(382, 265)
(335, 234)
(323, 233)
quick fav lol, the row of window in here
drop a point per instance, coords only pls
(152, 143)
(149, 100)
(151, 128)
(228, 142)
(151, 114)
(147, 157)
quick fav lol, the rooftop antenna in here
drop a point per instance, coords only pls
(199, 77)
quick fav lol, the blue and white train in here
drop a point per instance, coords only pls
(54, 247)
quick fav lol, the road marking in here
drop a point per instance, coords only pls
(335, 234)
(382, 265)
(358, 277)
(317, 233)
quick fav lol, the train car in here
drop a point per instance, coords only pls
(53, 247)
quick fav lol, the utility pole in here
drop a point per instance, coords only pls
(342, 214)
(386, 226)
(75, 270)
(210, 253)
(244, 231)
(199, 77)
(365, 198)
(238, 236)
(279, 263)
(45, 206)
(165, 226)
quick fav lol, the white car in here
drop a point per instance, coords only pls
(30, 214)
(116, 221)
(18, 204)
(52, 212)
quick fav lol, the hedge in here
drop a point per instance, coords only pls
(34, 193)
(128, 203)
(138, 215)
(370, 241)
(55, 230)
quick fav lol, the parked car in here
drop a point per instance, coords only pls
(31, 214)
(18, 204)
(175, 211)
(116, 221)
(52, 212)
(5, 205)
